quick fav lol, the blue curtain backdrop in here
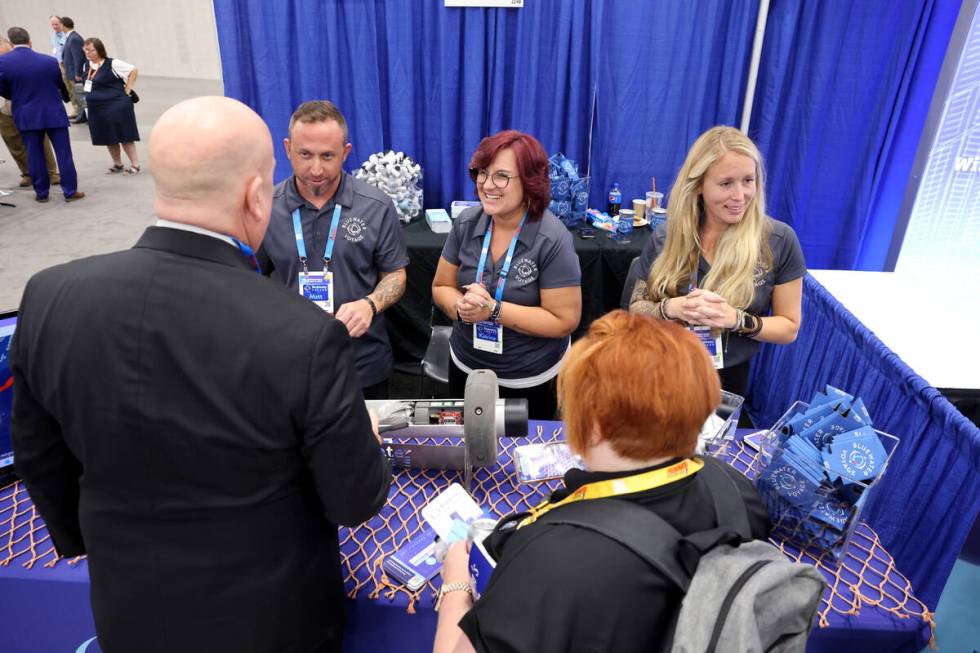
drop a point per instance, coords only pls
(630, 84)
(830, 117)
(667, 71)
(621, 87)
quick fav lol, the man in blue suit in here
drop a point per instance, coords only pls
(72, 59)
(33, 84)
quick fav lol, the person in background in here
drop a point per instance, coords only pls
(57, 37)
(719, 264)
(11, 137)
(33, 84)
(57, 50)
(111, 117)
(509, 276)
(346, 228)
(226, 437)
(634, 393)
(72, 60)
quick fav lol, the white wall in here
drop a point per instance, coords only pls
(169, 38)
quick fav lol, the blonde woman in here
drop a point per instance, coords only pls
(720, 265)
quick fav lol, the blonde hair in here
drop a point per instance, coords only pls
(742, 247)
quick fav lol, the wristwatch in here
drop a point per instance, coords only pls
(464, 586)
(495, 311)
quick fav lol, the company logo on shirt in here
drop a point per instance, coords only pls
(759, 275)
(354, 229)
(525, 271)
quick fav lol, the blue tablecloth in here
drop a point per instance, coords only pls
(45, 608)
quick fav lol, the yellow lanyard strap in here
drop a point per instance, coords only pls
(619, 486)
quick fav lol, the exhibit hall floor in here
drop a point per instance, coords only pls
(115, 211)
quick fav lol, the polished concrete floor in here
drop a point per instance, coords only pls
(114, 212)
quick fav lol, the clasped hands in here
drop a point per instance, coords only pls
(703, 308)
(475, 304)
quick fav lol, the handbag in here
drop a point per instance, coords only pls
(132, 93)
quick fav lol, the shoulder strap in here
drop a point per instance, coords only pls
(730, 510)
(654, 540)
(641, 531)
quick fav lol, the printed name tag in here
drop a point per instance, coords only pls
(712, 343)
(489, 337)
(318, 288)
(87, 87)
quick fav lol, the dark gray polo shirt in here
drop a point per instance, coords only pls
(787, 265)
(544, 257)
(369, 241)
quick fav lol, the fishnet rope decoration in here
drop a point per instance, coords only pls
(22, 531)
(865, 573)
(498, 491)
(855, 581)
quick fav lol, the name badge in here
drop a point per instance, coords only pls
(318, 288)
(489, 337)
(87, 87)
(712, 342)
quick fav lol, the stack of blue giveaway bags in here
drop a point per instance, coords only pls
(569, 191)
(824, 458)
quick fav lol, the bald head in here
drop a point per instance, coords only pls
(212, 162)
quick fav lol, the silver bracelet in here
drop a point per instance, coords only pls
(462, 586)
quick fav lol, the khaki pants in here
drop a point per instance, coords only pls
(77, 98)
(10, 135)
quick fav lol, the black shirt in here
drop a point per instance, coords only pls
(562, 588)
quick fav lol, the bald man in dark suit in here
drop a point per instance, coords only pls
(194, 427)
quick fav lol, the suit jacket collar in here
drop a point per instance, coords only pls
(187, 243)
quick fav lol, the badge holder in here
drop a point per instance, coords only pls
(318, 288)
(711, 338)
(489, 337)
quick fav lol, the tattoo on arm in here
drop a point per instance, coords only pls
(390, 288)
(639, 292)
(640, 301)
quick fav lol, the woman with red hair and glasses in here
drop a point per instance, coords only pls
(634, 393)
(509, 276)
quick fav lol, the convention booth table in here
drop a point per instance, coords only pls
(44, 606)
(604, 261)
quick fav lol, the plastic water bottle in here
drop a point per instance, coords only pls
(615, 199)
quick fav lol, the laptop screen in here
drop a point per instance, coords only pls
(8, 321)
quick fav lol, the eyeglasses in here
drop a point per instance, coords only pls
(499, 179)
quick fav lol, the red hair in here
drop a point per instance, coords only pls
(532, 166)
(646, 384)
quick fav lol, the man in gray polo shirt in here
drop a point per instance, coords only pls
(337, 237)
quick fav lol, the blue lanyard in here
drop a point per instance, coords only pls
(499, 295)
(249, 254)
(301, 245)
